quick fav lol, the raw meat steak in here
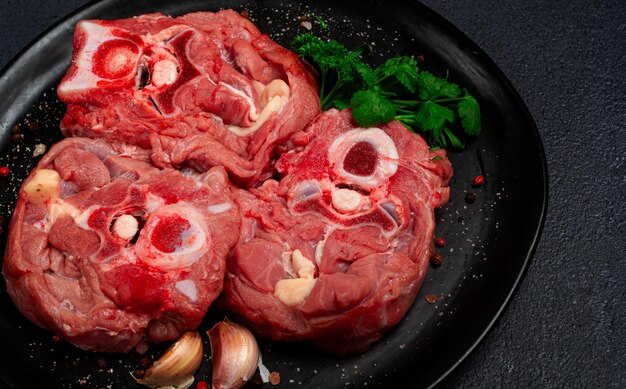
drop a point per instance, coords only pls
(108, 251)
(204, 89)
(336, 251)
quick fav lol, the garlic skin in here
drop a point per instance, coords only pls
(235, 355)
(175, 368)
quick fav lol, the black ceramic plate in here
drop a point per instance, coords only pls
(488, 244)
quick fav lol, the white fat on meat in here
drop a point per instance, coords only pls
(95, 36)
(319, 248)
(274, 96)
(58, 209)
(165, 35)
(153, 202)
(387, 156)
(219, 208)
(82, 218)
(302, 265)
(125, 227)
(43, 187)
(274, 88)
(293, 291)
(189, 289)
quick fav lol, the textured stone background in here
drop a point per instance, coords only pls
(566, 324)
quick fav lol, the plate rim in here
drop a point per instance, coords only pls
(493, 69)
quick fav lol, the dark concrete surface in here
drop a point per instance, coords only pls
(565, 327)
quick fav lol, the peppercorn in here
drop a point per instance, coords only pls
(101, 362)
(201, 385)
(478, 181)
(145, 362)
(440, 242)
(139, 373)
(57, 339)
(436, 260)
(17, 137)
(4, 171)
(274, 378)
(431, 298)
(470, 197)
(32, 126)
(2, 220)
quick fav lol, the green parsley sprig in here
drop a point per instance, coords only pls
(439, 110)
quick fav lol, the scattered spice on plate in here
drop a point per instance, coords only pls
(431, 298)
(57, 339)
(436, 260)
(145, 362)
(17, 137)
(32, 125)
(102, 362)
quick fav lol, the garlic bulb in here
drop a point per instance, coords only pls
(175, 368)
(235, 355)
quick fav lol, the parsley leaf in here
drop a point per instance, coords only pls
(432, 116)
(370, 108)
(338, 65)
(438, 109)
(454, 140)
(431, 87)
(470, 115)
(404, 69)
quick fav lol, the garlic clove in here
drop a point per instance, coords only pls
(176, 367)
(235, 355)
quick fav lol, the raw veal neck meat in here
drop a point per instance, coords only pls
(336, 251)
(204, 89)
(109, 251)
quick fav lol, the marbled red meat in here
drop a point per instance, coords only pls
(203, 89)
(118, 251)
(110, 246)
(336, 251)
